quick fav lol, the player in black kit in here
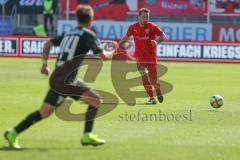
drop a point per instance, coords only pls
(73, 44)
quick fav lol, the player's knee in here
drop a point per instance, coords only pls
(95, 102)
(92, 98)
(143, 72)
(46, 110)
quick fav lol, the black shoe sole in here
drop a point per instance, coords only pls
(160, 99)
(90, 144)
(151, 103)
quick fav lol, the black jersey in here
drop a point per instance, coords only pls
(76, 42)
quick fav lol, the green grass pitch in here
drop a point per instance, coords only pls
(209, 134)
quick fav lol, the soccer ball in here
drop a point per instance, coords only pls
(216, 101)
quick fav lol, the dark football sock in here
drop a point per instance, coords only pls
(29, 121)
(89, 121)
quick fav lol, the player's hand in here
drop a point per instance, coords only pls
(112, 47)
(45, 69)
(106, 56)
(154, 43)
(110, 50)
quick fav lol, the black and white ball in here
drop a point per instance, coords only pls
(216, 101)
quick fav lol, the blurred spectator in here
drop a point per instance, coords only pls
(48, 15)
(39, 30)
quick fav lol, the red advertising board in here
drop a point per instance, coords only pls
(226, 33)
(174, 7)
(182, 51)
(118, 9)
(8, 46)
(224, 7)
(104, 9)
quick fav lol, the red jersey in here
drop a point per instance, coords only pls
(142, 38)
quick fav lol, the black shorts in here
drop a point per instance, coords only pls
(55, 99)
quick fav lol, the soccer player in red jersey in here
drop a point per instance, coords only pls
(146, 36)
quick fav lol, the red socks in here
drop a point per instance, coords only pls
(148, 87)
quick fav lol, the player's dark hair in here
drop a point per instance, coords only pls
(143, 10)
(84, 14)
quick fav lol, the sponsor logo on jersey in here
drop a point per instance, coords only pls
(147, 31)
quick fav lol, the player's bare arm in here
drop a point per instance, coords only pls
(159, 39)
(123, 40)
(46, 50)
(105, 56)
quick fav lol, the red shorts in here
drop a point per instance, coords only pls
(151, 67)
